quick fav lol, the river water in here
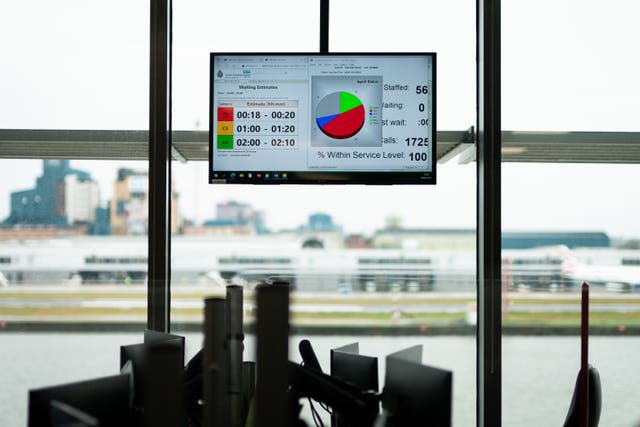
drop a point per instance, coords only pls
(538, 372)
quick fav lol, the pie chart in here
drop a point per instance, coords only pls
(340, 115)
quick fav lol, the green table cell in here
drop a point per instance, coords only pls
(225, 142)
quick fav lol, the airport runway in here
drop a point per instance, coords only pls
(104, 302)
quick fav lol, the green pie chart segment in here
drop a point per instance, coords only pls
(340, 115)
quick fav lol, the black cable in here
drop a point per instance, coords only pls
(326, 408)
(314, 413)
(316, 416)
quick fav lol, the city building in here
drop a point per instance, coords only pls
(101, 226)
(322, 222)
(358, 241)
(232, 218)
(571, 239)
(40, 232)
(81, 199)
(62, 197)
(318, 233)
(396, 237)
(233, 212)
(218, 227)
(440, 238)
(129, 206)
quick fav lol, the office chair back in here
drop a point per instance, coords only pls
(595, 401)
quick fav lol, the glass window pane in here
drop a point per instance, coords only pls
(69, 285)
(398, 258)
(578, 227)
(74, 65)
(567, 67)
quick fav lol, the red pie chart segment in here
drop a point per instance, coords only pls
(345, 125)
(340, 115)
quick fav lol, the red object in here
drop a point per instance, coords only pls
(346, 124)
(225, 114)
(584, 358)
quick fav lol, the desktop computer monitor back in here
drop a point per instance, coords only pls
(415, 394)
(350, 366)
(158, 369)
(105, 399)
(136, 354)
(63, 415)
(157, 337)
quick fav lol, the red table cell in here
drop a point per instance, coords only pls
(225, 114)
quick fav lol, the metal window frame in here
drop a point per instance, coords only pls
(489, 370)
(159, 268)
(488, 191)
(193, 145)
(488, 228)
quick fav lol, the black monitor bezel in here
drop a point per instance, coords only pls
(328, 177)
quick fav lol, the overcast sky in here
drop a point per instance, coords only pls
(83, 64)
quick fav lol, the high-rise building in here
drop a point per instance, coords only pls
(129, 207)
(101, 226)
(234, 213)
(81, 199)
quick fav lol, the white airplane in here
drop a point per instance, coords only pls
(615, 278)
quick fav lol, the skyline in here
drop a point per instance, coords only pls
(591, 201)
(550, 82)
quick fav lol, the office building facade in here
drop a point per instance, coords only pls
(129, 206)
(62, 197)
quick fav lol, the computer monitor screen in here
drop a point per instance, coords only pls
(344, 118)
(356, 369)
(416, 394)
(105, 399)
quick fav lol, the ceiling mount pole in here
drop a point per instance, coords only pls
(324, 26)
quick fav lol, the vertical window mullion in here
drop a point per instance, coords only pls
(159, 165)
(489, 141)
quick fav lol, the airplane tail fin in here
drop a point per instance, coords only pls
(569, 261)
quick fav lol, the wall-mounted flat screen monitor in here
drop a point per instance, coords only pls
(345, 118)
